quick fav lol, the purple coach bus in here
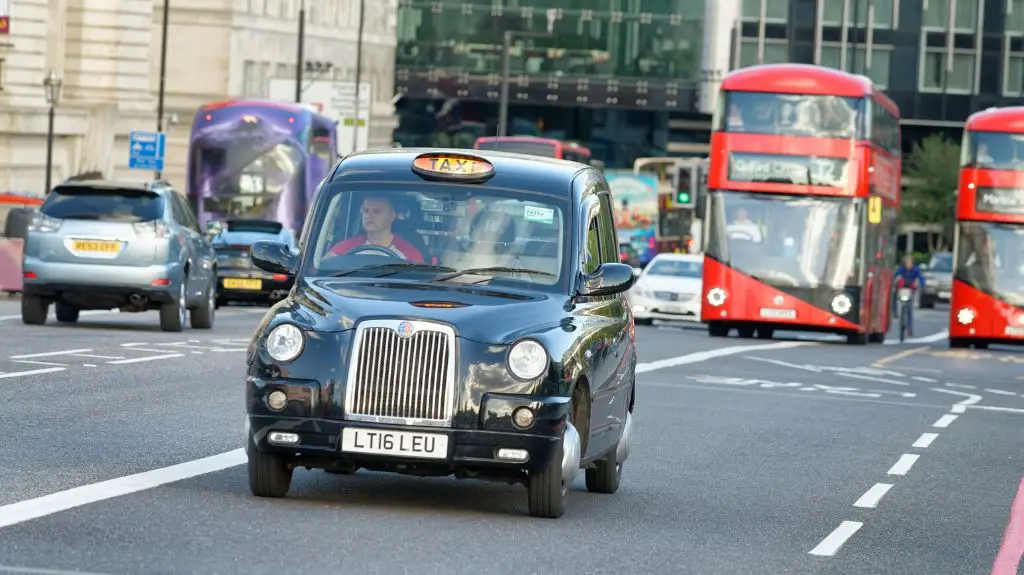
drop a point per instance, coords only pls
(258, 159)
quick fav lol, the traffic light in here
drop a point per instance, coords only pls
(686, 190)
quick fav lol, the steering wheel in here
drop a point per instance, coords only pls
(377, 250)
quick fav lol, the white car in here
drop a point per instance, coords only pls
(668, 288)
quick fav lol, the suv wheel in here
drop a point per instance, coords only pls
(66, 313)
(172, 313)
(34, 310)
(201, 317)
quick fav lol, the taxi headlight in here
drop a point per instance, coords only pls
(285, 342)
(527, 359)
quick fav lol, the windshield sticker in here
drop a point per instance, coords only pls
(535, 214)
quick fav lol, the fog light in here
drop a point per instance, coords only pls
(716, 296)
(517, 455)
(965, 316)
(522, 417)
(277, 400)
(842, 304)
(282, 438)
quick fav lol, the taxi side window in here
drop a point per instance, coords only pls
(592, 257)
(609, 245)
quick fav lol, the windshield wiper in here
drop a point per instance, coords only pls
(401, 266)
(495, 269)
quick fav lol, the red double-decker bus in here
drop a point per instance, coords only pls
(987, 303)
(803, 194)
(534, 146)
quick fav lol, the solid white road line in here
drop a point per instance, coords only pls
(31, 372)
(836, 539)
(35, 571)
(22, 511)
(925, 440)
(870, 499)
(713, 353)
(945, 420)
(929, 338)
(903, 465)
(145, 359)
(49, 354)
(29, 509)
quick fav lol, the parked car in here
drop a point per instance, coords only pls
(668, 288)
(99, 244)
(938, 279)
(238, 279)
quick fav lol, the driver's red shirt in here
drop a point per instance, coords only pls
(399, 246)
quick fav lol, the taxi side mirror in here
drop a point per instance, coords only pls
(274, 257)
(608, 279)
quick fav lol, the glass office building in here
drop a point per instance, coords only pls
(610, 74)
(940, 60)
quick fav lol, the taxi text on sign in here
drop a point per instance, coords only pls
(452, 165)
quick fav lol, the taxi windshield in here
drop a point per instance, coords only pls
(438, 232)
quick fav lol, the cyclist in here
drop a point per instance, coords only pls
(908, 274)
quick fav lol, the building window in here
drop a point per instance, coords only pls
(775, 52)
(832, 15)
(1013, 73)
(1015, 20)
(965, 18)
(774, 10)
(934, 73)
(856, 61)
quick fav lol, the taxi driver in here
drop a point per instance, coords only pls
(378, 215)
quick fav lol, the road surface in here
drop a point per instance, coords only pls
(122, 454)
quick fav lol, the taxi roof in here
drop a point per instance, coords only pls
(513, 171)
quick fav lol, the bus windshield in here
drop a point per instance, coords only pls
(787, 241)
(249, 165)
(993, 151)
(990, 258)
(791, 115)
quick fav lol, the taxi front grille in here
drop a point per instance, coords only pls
(402, 372)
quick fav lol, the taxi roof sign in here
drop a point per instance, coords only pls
(452, 167)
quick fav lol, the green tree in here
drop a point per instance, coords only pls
(934, 168)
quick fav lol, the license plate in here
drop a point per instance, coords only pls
(1017, 331)
(945, 294)
(776, 313)
(96, 247)
(238, 283)
(394, 443)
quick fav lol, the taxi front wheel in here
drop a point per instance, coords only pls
(269, 474)
(546, 490)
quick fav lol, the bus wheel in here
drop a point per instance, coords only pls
(746, 332)
(765, 333)
(856, 338)
(718, 329)
(958, 342)
(876, 338)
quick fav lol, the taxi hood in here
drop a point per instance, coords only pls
(479, 313)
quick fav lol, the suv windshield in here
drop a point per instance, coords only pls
(112, 205)
(444, 229)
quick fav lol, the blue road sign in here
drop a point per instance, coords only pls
(146, 151)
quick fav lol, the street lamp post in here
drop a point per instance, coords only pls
(163, 75)
(506, 65)
(52, 85)
(300, 58)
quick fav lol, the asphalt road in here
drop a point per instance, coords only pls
(799, 455)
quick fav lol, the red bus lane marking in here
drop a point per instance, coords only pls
(1012, 548)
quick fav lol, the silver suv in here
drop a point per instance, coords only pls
(97, 244)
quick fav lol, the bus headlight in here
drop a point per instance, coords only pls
(842, 304)
(285, 342)
(716, 296)
(527, 359)
(966, 316)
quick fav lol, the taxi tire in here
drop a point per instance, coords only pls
(606, 475)
(269, 474)
(34, 310)
(545, 493)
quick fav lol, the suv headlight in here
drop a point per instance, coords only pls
(527, 359)
(285, 342)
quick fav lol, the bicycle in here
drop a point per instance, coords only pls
(905, 295)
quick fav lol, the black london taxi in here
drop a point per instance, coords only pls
(455, 312)
(238, 279)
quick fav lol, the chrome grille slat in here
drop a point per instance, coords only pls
(402, 380)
